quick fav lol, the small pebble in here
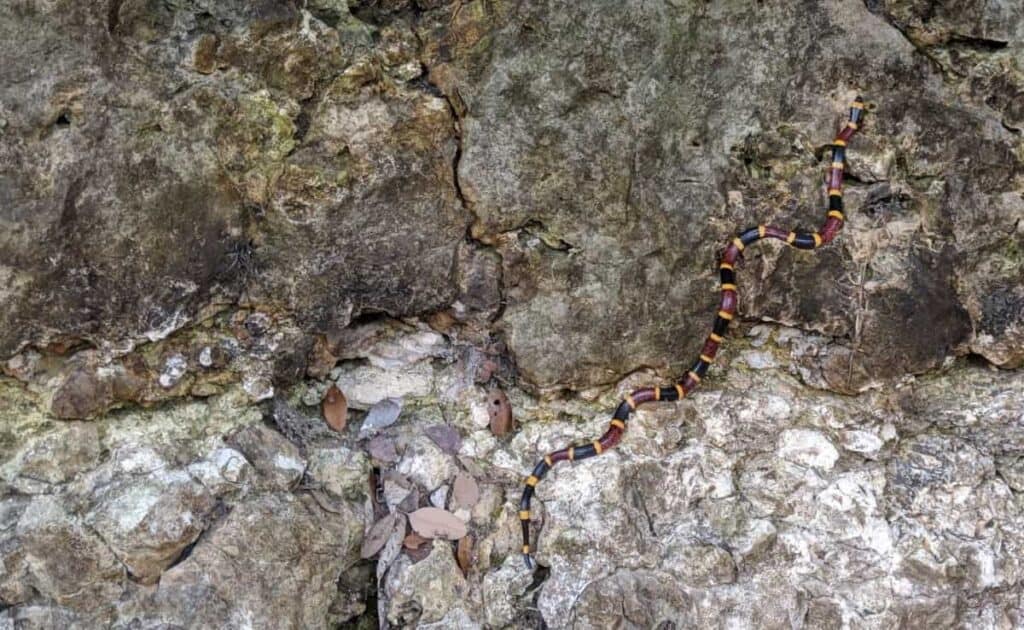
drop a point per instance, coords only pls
(174, 369)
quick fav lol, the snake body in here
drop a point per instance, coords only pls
(726, 312)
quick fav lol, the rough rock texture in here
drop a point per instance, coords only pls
(211, 212)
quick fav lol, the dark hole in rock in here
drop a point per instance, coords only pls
(63, 120)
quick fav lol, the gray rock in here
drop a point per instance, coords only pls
(60, 558)
(149, 521)
(425, 591)
(341, 472)
(272, 561)
(421, 200)
(277, 460)
(426, 464)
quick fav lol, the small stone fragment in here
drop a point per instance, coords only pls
(807, 447)
(396, 490)
(175, 367)
(439, 497)
(212, 356)
(465, 492)
(335, 408)
(501, 413)
(437, 523)
(206, 357)
(446, 437)
(382, 414)
(278, 461)
(82, 394)
(258, 387)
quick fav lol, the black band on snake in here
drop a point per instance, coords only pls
(726, 312)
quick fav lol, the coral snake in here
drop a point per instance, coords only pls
(726, 312)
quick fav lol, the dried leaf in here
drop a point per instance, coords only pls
(419, 553)
(501, 413)
(392, 548)
(446, 437)
(378, 535)
(441, 321)
(464, 553)
(335, 408)
(465, 492)
(382, 449)
(436, 523)
(414, 541)
(382, 414)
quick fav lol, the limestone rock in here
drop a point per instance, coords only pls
(211, 211)
(61, 558)
(256, 564)
(148, 522)
(340, 471)
(276, 459)
(425, 591)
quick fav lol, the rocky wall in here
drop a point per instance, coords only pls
(211, 212)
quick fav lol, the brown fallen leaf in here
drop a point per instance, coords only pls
(378, 535)
(335, 408)
(434, 522)
(414, 541)
(501, 413)
(464, 553)
(441, 321)
(465, 491)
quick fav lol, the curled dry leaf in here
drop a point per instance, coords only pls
(446, 437)
(335, 408)
(465, 492)
(382, 414)
(464, 553)
(441, 321)
(378, 535)
(414, 541)
(501, 413)
(433, 522)
(382, 449)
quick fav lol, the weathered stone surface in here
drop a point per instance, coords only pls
(601, 179)
(254, 135)
(287, 552)
(56, 555)
(211, 211)
(149, 521)
(278, 461)
(425, 591)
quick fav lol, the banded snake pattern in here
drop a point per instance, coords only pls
(726, 312)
